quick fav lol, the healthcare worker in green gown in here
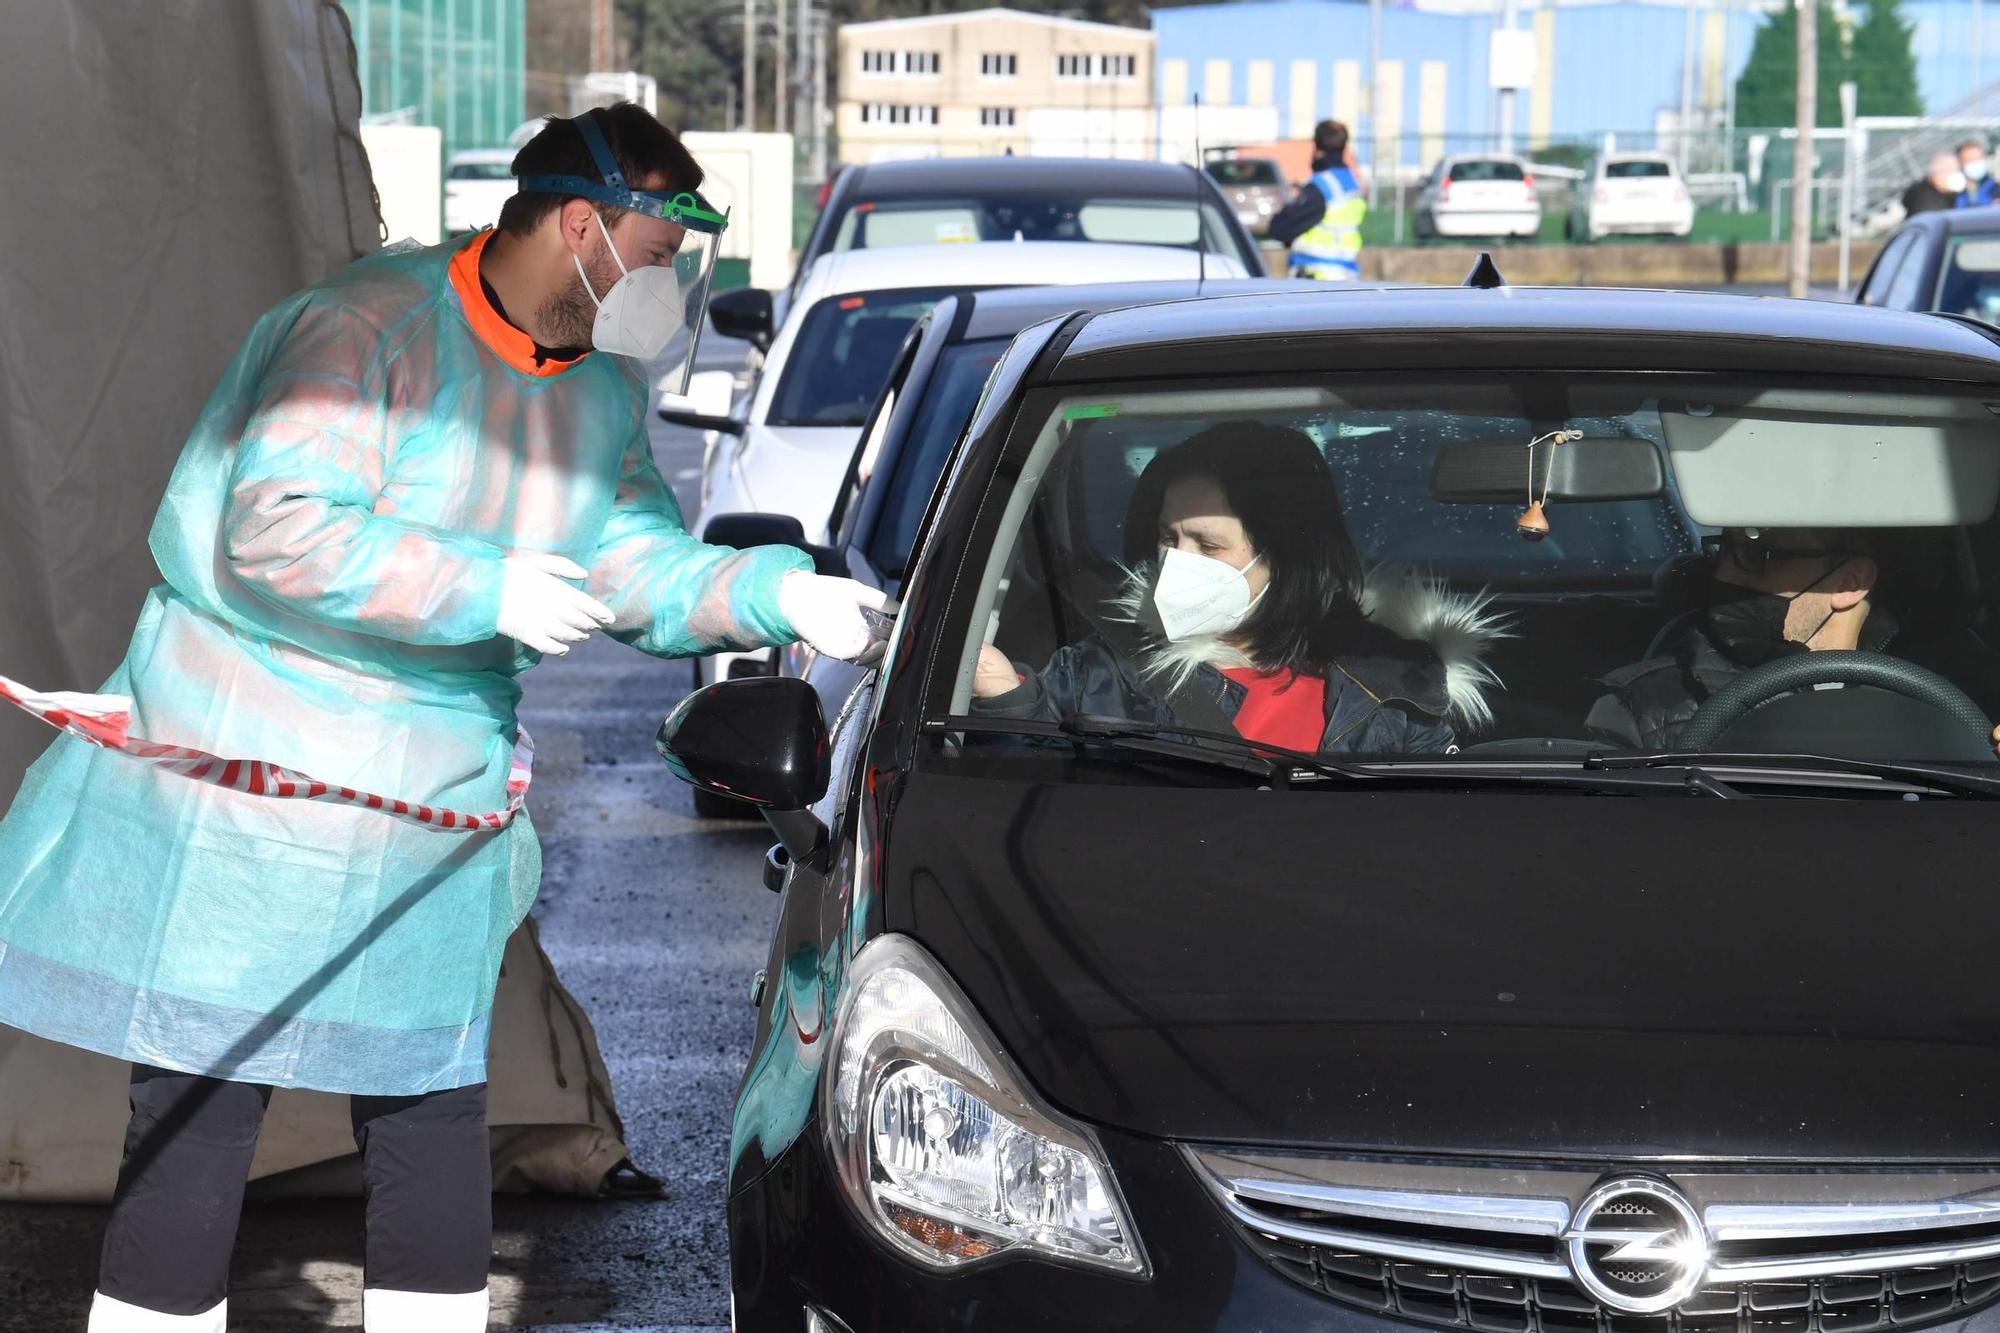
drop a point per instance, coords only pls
(415, 479)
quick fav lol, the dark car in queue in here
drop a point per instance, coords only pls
(1077, 1020)
(1947, 261)
(947, 200)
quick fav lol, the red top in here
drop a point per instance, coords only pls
(1281, 708)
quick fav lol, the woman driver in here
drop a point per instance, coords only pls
(1249, 605)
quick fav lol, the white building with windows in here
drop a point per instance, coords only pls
(991, 81)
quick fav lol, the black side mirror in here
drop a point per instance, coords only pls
(761, 740)
(744, 313)
(745, 530)
(701, 421)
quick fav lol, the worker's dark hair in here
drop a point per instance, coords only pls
(643, 148)
(1330, 138)
(1980, 144)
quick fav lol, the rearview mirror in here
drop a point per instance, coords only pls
(1593, 468)
(761, 740)
(746, 530)
(743, 313)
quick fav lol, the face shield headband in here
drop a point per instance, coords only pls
(670, 350)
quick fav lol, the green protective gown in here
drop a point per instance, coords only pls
(331, 544)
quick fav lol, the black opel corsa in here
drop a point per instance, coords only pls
(1445, 808)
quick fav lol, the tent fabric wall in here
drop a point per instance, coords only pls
(175, 167)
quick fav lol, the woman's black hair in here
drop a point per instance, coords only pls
(1278, 484)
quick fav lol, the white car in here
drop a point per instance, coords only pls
(1633, 194)
(1480, 195)
(787, 450)
(476, 184)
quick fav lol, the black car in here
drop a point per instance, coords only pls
(1947, 261)
(1026, 198)
(1085, 1019)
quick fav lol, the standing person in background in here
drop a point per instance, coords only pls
(1938, 190)
(1980, 190)
(1323, 224)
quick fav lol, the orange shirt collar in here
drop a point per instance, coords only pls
(511, 345)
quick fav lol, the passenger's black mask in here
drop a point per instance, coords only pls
(1748, 626)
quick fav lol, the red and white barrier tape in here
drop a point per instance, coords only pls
(104, 720)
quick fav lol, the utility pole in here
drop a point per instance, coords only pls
(819, 162)
(781, 91)
(1373, 92)
(600, 35)
(1687, 87)
(1509, 12)
(1799, 268)
(802, 62)
(750, 65)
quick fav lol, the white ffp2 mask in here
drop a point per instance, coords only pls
(643, 310)
(1198, 594)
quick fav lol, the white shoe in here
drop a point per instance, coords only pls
(115, 1316)
(386, 1311)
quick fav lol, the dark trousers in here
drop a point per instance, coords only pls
(426, 1171)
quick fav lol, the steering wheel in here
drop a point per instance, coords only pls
(1800, 671)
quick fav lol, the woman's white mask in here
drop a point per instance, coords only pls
(643, 310)
(1198, 594)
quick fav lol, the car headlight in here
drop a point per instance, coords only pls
(938, 1141)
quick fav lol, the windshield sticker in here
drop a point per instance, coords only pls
(1091, 411)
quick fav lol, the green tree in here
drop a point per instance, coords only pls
(1767, 91)
(1882, 64)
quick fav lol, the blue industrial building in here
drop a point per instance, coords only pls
(1604, 67)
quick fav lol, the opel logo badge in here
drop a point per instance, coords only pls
(1637, 1245)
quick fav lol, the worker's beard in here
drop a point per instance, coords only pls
(569, 316)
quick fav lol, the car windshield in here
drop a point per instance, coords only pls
(1245, 171)
(1118, 219)
(842, 355)
(1486, 171)
(962, 370)
(1636, 169)
(481, 171)
(1391, 567)
(1969, 283)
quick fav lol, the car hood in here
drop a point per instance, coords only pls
(1510, 971)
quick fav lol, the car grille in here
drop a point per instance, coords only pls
(1461, 1298)
(1785, 1253)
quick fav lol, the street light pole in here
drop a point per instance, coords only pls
(1509, 13)
(1799, 267)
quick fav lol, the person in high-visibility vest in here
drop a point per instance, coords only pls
(1323, 224)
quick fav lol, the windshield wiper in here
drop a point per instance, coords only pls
(1139, 737)
(1809, 770)
(1285, 767)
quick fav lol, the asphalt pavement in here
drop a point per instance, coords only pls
(655, 920)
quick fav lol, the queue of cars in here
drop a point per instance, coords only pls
(1084, 1011)
(1493, 196)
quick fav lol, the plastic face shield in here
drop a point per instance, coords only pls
(694, 262)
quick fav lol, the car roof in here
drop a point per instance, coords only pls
(483, 155)
(1516, 328)
(1027, 177)
(1957, 221)
(996, 263)
(1005, 311)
